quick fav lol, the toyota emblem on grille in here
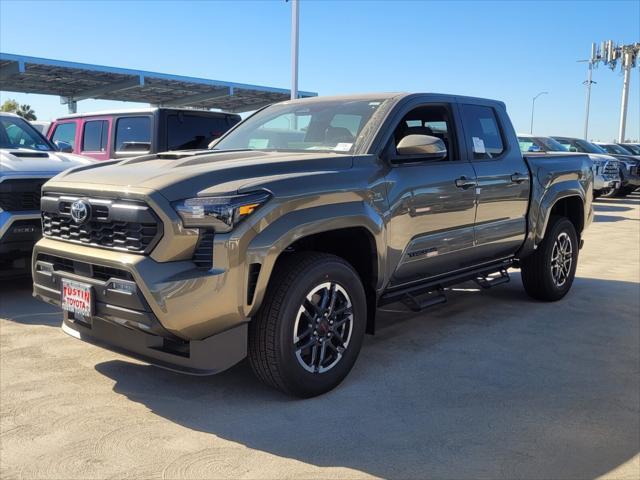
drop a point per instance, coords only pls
(80, 211)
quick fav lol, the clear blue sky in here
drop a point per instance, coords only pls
(508, 50)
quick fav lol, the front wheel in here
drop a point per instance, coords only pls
(548, 273)
(307, 335)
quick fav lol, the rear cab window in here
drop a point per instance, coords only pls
(133, 134)
(188, 132)
(482, 130)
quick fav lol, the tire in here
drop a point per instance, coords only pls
(274, 355)
(624, 191)
(541, 277)
(610, 193)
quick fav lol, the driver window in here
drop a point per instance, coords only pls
(432, 120)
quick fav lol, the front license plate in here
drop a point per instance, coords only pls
(77, 298)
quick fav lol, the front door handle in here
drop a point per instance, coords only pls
(519, 177)
(464, 182)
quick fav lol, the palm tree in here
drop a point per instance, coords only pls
(26, 112)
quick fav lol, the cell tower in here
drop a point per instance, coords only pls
(627, 56)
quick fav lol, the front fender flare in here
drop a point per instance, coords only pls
(266, 247)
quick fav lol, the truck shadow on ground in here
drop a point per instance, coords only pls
(611, 218)
(490, 385)
(610, 208)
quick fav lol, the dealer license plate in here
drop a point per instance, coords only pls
(77, 298)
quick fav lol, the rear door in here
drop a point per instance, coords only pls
(503, 180)
(432, 202)
(94, 141)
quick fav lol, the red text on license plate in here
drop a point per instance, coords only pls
(76, 297)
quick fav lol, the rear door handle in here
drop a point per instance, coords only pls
(464, 182)
(519, 177)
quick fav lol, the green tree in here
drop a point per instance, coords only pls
(26, 112)
(10, 106)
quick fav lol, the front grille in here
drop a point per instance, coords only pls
(611, 168)
(97, 272)
(21, 194)
(115, 224)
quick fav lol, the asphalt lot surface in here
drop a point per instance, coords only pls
(490, 385)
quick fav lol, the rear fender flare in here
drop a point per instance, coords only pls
(540, 211)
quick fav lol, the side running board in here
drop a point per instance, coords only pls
(427, 293)
(488, 282)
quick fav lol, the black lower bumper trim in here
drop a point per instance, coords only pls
(197, 357)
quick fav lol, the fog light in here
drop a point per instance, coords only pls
(123, 286)
(46, 268)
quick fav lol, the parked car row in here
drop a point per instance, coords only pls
(616, 168)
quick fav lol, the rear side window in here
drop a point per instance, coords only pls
(482, 131)
(65, 132)
(188, 132)
(94, 136)
(133, 134)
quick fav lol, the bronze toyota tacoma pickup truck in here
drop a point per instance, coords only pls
(280, 241)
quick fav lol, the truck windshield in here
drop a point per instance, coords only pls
(330, 125)
(551, 145)
(616, 149)
(589, 147)
(17, 133)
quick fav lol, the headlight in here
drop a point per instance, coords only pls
(221, 214)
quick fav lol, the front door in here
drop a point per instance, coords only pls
(503, 182)
(432, 202)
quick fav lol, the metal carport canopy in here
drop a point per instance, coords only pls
(78, 81)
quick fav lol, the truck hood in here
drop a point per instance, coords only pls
(178, 175)
(18, 161)
(599, 158)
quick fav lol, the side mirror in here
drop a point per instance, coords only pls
(64, 147)
(421, 147)
(534, 148)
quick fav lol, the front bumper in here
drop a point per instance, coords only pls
(605, 182)
(197, 357)
(18, 234)
(172, 314)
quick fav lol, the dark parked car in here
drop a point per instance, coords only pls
(128, 133)
(627, 167)
(280, 242)
(606, 170)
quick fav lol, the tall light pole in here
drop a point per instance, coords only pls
(626, 66)
(533, 107)
(295, 17)
(588, 82)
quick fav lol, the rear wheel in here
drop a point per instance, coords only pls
(307, 335)
(548, 273)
